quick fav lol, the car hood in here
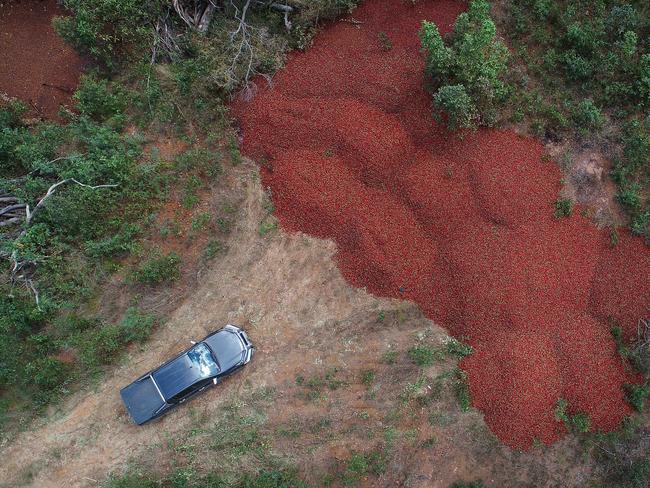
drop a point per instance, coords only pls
(227, 348)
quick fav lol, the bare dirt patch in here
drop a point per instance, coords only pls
(37, 66)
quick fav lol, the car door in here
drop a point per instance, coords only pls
(191, 390)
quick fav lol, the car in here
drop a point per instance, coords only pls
(202, 365)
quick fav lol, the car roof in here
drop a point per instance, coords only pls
(181, 372)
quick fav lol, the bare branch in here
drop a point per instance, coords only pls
(52, 190)
(22, 270)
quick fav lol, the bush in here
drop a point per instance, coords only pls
(586, 115)
(468, 484)
(636, 396)
(158, 269)
(95, 100)
(136, 326)
(105, 29)
(465, 70)
(424, 356)
(454, 102)
(563, 208)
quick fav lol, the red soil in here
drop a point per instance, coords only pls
(463, 227)
(35, 64)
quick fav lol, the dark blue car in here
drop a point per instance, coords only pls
(195, 369)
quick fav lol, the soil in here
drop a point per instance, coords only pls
(37, 66)
(462, 226)
(304, 318)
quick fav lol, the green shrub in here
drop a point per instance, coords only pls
(424, 356)
(636, 396)
(97, 101)
(563, 208)
(136, 326)
(577, 423)
(458, 348)
(453, 102)
(461, 389)
(47, 373)
(465, 71)
(105, 29)
(159, 268)
(586, 115)
(468, 484)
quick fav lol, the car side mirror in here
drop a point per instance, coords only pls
(214, 380)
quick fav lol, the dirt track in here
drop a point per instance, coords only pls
(282, 290)
(36, 66)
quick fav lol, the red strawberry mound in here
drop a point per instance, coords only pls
(463, 227)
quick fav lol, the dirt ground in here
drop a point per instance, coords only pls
(305, 320)
(35, 64)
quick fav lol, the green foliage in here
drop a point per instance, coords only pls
(424, 355)
(457, 105)
(159, 268)
(563, 208)
(97, 101)
(188, 478)
(467, 484)
(360, 465)
(589, 61)
(637, 395)
(587, 116)
(458, 348)
(465, 71)
(105, 29)
(577, 423)
(212, 248)
(368, 377)
(461, 390)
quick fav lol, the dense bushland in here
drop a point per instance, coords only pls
(587, 75)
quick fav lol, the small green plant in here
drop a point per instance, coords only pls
(212, 248)
(389, 357)
(563, 208)
(368, 377)
(424, 355)
(637, 395)
(576, 423)
(587, 116)
(200, 222)
(235, 153)
(159, 268)
(384, 41)
(458, 348)
(461, 390)
(468, 484)
(267, 227)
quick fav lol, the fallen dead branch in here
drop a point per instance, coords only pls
(17, 213)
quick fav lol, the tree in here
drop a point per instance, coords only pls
(465, 69)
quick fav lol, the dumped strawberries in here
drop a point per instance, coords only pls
(462, 226)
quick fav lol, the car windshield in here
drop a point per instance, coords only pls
(201, 358)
